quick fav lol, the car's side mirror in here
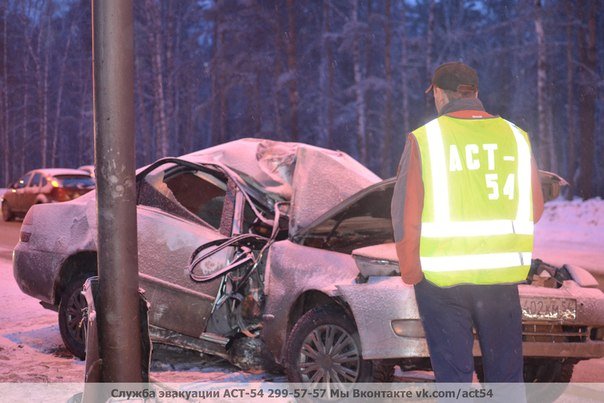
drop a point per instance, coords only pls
(551, 185)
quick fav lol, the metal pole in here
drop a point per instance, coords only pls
(113, 75)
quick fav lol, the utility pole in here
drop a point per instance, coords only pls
(119, 325)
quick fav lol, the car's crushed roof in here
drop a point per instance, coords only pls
(313, 179)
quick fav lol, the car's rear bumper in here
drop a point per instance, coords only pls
(35, 272)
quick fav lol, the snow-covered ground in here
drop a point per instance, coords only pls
(31, 349)
(572, 232)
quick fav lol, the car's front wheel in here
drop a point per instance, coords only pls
(324, 346)
(72, 319)
(7, 214)
(558, 370)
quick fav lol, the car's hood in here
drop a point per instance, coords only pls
(313, 179)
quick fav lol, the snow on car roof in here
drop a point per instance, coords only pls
(314, 179)
(62, 171)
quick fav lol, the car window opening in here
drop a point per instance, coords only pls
(74, 181)
(200, 197)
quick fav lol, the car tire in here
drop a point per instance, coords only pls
(7, 214)
(553, 370)
(72, 323)
(553, 374)
(321, 337)
(383, 371)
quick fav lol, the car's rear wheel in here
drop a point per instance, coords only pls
(72, 320)
(7, 214)
(324, 347)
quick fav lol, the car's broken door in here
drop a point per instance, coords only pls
(178, 210)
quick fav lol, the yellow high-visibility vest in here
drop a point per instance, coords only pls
(477, 220)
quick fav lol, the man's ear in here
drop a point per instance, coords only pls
(440, 98)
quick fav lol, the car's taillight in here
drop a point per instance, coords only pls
(26, 226)
(59, 194)
(24, 236)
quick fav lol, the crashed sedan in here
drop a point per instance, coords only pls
(265, 252)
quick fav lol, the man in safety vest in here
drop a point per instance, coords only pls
(464, 206)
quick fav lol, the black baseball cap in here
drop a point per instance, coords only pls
(454, 76)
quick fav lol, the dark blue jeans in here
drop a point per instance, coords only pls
(448, 315)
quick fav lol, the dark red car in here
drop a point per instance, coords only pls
(44, 186)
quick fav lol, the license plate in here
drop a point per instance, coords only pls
(543, 308)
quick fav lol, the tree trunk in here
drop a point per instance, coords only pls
(326, 79)
(81, 139)
(277, 71)
(404, 69)
(587, 99)
(359, 91)
(218, 98)
(42, 84)
(178, 123)
(57, 120)
(573, 167)
(388, 129)
(6, 154)
(154, 31)
(430, 40)
(44, 98)
(24, 135)
(547, 155)
(172, 20)
(254, 103)
(24, 125)
(147, 153)
(292, 70)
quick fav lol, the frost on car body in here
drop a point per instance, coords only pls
(246, 252)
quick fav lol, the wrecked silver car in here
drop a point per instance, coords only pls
(269, 252)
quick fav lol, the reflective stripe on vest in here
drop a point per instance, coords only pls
(485, 238)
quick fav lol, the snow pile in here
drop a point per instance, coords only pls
(572, 232)
(573, 221)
